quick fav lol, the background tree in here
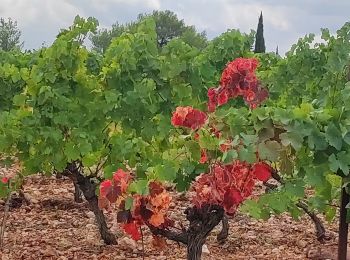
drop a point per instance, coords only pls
(259, 37)
(168, 26)
(102, 39)
(193, 38)
(9, 35)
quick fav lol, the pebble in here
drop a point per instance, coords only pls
(275, 251)
(301, 243)
(37, 193)
(34, 201)
(128, 243)
(205, 249)
(89, 226)
(90, 214)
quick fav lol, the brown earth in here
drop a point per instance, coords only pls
(53, 226)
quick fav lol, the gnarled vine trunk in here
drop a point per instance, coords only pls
(202, 222)
(222, 236)
(319, 227)
(78, 196)
(88, 189)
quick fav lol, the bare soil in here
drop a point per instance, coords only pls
(53, 226)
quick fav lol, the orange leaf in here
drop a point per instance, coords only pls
(159, 242)
(156, 219)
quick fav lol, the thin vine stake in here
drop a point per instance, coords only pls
(4, 218)
(343, 226)
(143, 244)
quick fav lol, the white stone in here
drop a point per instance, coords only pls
(205, 249)
(127, 243)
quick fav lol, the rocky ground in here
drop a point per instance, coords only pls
(53, 226)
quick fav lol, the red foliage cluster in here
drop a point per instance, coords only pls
(111, 190)
(228, 185)
(188, 117)
(238, 79)
(149, 210)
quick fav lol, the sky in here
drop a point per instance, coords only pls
(284, 20)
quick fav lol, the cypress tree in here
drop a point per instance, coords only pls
(259, 37)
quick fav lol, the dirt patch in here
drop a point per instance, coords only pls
(53, 226)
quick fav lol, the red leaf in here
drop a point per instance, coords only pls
(5, 180)
(188, 117)
(122, 179)
(238, 79)
(109, 191)
(212, 103)
(222, 97)
(232, 199)
(204, 157)
(119, 175)
(262, 171)
(225, 184)
(113, 194)
(196, 136)
(105, 186)
(155, 188)
(132, 229)
(103, 202)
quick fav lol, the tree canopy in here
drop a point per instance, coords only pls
(168, 27)
(9, 35)
(259, 37)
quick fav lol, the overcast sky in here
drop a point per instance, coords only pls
(284, 20)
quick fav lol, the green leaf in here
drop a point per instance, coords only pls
(280, 203)
(90, 159)
(208, 142)
(339, 161)
(269, 151)
(252, 208)
(128, 202)
(295, 189)
(346, 138)
(19, 100)
(330, 213)
(85, 148)
(333, 136)
(229, 156)
(139, 187)
(344, 159)
(333, 163)
(293, 139)
(71, 151)
(317, 141)
(194, 149)
(166, 172)
(266, 134)
(303, 111)
(295, 212)
(247, 154)
(109, 170)
(249, 139)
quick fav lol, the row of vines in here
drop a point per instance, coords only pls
(125, 125)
